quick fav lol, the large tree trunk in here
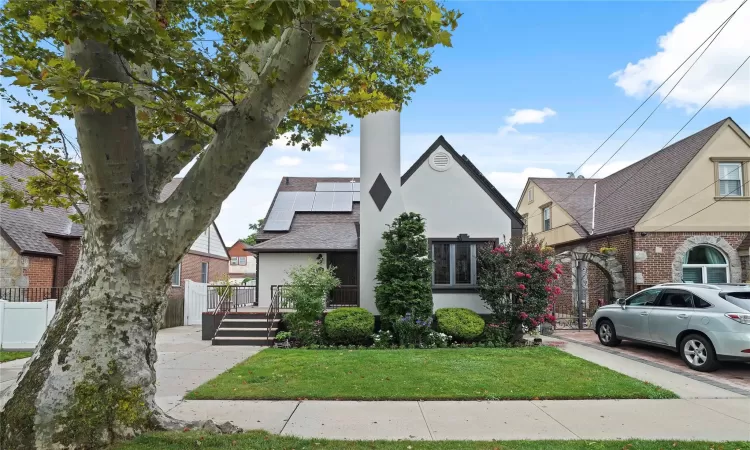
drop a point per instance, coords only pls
(91, 379)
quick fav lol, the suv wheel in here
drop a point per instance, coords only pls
(698, 353)
(607, 335)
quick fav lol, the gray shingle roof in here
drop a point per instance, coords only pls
(325, 236)
(574, 195)
(625, 196)
(27, 229)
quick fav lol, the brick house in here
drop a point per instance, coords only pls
(242, 263)
(39, 248)
(680, 214)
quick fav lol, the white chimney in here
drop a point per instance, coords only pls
(380, 197)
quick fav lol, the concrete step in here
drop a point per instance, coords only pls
(245, 332)
(248, 323)
(234, 340)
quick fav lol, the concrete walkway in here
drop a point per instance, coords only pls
(699, 419)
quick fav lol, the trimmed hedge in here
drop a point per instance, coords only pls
(349, 326)
(461, 323)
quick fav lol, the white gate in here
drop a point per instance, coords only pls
(196, 302)
(22, 324)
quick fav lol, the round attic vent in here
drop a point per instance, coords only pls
(441, 161)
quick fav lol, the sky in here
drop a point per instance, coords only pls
(533, 88)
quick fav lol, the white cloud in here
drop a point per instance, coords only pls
(288, 161)
(526, 116)
(340, 167)
(511, 184)
(714, 68)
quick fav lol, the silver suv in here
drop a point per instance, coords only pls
(705, 323)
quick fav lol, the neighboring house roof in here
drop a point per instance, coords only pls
(471, 169)
(26, 230)
(624, 197)
(574, 195)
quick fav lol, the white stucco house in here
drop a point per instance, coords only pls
(339, 221)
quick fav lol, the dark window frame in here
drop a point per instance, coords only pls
(461, 239)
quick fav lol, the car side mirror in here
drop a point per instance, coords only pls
(621, 302)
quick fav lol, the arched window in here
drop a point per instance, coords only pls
(704, 264)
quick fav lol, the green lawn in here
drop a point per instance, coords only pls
(261, 440)
(439, 374)
(10, 356)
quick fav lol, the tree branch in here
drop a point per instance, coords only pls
(164, 91)
(111, 151)
(243, 132)
(165, 160)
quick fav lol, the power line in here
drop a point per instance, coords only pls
(712, 37)
(599, 203)
(703, 209)
(674, 136)
(688, 198)
(720, 28)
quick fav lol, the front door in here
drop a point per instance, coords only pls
(670, 316)
(345, 268)
(633, 322)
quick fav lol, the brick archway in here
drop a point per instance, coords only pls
(609, 265)
(735, 266)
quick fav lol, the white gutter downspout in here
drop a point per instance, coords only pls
(593, 211)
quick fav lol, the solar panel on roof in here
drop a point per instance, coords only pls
(276, 225)
(355, 187)
(355, 196)
(342, 201)
(323, 201)
(281, 215)
(342, 187)
(304, 201)
(325, 187)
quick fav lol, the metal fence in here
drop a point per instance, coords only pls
(341, 296)
(575, 307)
(31, 294)
(239, 296)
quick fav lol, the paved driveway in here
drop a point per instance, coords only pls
(733, 374)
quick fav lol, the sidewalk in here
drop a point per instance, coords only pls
(699, 419)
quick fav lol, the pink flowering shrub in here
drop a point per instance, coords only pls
(516, 281)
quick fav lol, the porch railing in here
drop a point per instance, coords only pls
(237, 296)
(31, 294)
(341, 296)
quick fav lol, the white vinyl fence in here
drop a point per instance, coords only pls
(22, 324)
(195, 302)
